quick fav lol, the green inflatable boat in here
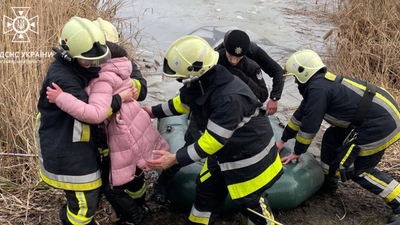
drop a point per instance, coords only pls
(299, 181)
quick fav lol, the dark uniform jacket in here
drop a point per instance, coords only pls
(268, 65)
(236, 132)
(249, 72)
(335, 99)
(66, 146)
(138, 82)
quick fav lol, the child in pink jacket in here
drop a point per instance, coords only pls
(131, 134)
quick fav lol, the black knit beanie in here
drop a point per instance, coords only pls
(237, 43)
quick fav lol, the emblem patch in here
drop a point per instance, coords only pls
(259, 76)
(238, 50)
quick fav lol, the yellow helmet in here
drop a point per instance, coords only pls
(109, 30)
(303, 65)
(189, 56)
(81, 39)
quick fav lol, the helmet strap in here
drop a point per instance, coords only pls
(201, 87)
(64, 54)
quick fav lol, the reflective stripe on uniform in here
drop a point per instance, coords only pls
(372, 148)
(137, 194)
(225, 133)
(83, 208)
(330, 76)
(205, 177)
(205, 168)
(373, 180)
(347, 154)
(77, 219)
(179, 106)
(305, 138)
(74, 183)
(394, 195)
(166, 110)
(336, 122)
(110, 112)
(265, 211)
(209, 144)
(293, 126)
(325, 168)
(304, 141)
(138, 86)
(81, 132)
(204, 174)
(389, 189)
(247, 119)
(220, 131)
(243, 189)
(37, 120)
(192, 153)
(199, 217)
(249, 161)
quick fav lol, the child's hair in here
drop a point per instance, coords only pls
(116, 50)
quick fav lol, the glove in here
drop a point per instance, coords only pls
(344, 161)
(237, 72)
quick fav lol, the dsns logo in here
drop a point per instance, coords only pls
(20, 24)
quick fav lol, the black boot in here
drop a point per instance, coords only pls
(63, 215)
(126, 208)
(395, 216)
(329, 186)
(160, 190)
(142, 222)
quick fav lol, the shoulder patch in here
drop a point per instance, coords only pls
(259, 75)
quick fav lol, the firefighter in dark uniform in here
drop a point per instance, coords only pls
(127, 200)
(67, 150)
(112, 35)
(237, 139)
(365, 121)
(244, 58)
(236, 54)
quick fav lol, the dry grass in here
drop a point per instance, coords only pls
(367, 46)
(20, 200)
(367, 41)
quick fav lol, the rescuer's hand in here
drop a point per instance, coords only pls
(287, 159)
(165, 161)
(280, 145)
(149, 111)
(52, 94)
(272, 107)
(128, 95)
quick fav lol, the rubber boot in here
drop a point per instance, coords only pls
(126, 209)
(329, 186)
(395, 217)
(143, 207)
(160, 190)
(63, 215)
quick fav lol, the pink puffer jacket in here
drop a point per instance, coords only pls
(131, 135)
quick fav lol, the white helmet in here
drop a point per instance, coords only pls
(303, 65)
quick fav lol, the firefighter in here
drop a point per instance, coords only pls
(237, 139)
(112, 35)
(236, 54)
(365, 121)
(245, 60)
(127, 200)
(68, 158)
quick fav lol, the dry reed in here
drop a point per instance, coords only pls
(367, 46)
(20, 200)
